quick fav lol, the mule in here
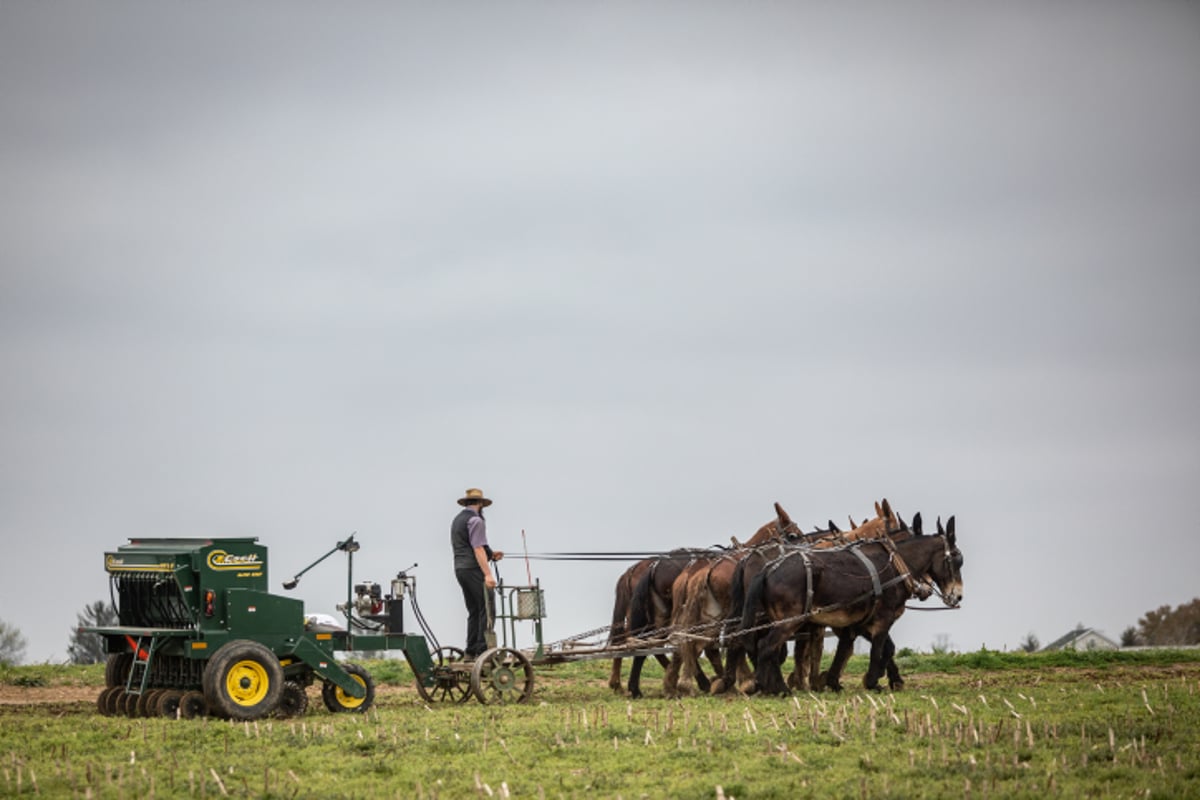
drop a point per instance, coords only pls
(861, 586)
(809, 638)
(831, 678)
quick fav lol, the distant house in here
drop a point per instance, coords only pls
(1082, 639)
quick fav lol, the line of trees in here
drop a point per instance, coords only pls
(12, 645)
(1166, 626)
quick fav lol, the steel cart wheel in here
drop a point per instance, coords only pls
(243, 680)
(168, 703)
(502, 675)
(193, 705)
(337, 700)
(293, 702)
(453, 685)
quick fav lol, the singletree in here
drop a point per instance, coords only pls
(88, 648)
(12, 645)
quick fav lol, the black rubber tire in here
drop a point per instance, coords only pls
(193, 705)
(293, 702)
(502, 675)
(116, 669)
(338, 701)
(168, 703)
(243, 680)
(129, 704)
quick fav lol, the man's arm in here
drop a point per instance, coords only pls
(481, 557)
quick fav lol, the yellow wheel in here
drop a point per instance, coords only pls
(243, 680)
(336, 699)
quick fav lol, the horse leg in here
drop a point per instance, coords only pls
(671, 676)
(768, 673)
(876, 668)
(685, 654)
(733, 667)
(832, 679)
(713, 654)
(806, 657)
(895, 681)
(635, 677)
(614, 678)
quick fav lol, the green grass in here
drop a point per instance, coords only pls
(980, 724)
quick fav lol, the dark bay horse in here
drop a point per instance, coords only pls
(652, 605)
(831, 679)
(619, 630)
(658, 601)
(808, 638)
(862, 586)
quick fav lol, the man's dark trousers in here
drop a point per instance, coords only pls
(475, 595)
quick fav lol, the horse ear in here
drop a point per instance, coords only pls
(903, 525)
(853, 524)
(916, 526)
(834, 528)
(941, 530)
(887, 509)
(950, 529)
(784, 519)
(878, 509)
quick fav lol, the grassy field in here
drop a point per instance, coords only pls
(981, 724)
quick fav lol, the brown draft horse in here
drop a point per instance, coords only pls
(619, 630)
(703, 602)
(839, 589)
(808, 640)
(652, 604)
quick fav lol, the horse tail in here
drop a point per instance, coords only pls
(754, 606)
(737, 589)
(620, 615)
(641, 606)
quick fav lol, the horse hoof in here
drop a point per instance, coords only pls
(718, 686)
(896, 686)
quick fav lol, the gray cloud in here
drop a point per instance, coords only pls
(640, 271)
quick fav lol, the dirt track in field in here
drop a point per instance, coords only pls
(49, 695)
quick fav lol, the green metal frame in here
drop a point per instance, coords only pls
(188, 597)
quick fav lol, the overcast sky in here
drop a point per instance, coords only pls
(638, 270)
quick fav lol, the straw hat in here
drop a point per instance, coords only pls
(474, 496)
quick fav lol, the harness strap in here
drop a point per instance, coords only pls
(875, 585)
(808, 596)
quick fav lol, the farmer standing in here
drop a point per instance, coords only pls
(472, 567)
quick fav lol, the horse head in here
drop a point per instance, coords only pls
(947, 565)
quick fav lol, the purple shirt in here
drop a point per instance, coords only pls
(477, 531)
